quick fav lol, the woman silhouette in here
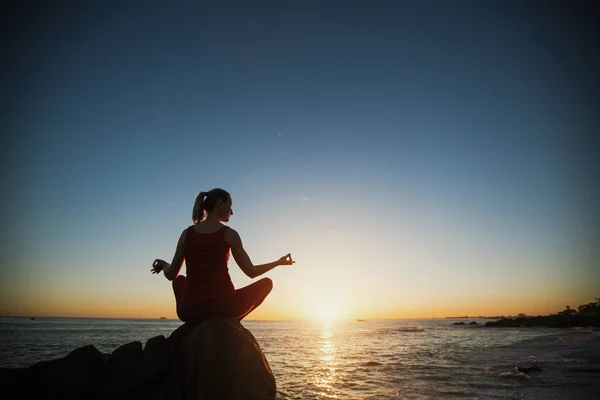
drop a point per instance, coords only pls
(207, 291)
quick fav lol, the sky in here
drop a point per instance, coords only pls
(417, 159)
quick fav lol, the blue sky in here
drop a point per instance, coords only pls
(417, 153)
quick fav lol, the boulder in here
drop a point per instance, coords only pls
(222, 360)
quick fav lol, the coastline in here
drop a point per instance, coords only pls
(551, 321)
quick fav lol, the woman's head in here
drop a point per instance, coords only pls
(216, 202)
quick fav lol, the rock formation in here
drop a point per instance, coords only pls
(551, 321)
(215, 359)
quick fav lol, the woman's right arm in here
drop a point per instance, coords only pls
(243, 260)
(171, 270)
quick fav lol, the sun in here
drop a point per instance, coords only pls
(326, 312)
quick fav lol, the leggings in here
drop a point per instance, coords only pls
(238, 304)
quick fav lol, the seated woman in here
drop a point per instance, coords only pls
(207, 291)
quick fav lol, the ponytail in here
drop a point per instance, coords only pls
(198, 211)
(206, 201)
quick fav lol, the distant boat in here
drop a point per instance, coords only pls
(360, 320)
(163, 317)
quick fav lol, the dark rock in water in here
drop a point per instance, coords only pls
(215, 359)
(462, 323)
(527, 370)
(504, 323)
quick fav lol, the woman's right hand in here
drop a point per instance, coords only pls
(158, 265)
(286, 260)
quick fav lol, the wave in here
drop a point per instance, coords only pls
(372, 364)
(403, 329)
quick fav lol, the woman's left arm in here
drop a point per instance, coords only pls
(172, 270)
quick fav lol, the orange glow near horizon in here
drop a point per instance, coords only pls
(316, 288)
(325, 311)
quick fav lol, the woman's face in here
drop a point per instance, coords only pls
(225, 211)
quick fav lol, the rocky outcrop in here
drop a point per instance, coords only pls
(551, 321)
(215, 359)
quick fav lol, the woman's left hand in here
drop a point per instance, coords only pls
(286, 260)
(158, 265)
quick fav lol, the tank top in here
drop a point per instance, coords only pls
(206, 256)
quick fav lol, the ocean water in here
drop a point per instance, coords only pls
(382, 359)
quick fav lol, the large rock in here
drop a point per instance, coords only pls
(215, 359)
(222, 360)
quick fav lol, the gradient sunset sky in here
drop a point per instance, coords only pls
(418, 159)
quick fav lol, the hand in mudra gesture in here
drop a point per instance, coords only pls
(158, 265)
(286, 260)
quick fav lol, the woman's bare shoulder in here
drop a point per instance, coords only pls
(184, 233)
(231, 235)
(229, 230)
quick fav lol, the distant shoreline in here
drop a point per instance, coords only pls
(551, 321)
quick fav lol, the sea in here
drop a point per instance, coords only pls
(373, 359)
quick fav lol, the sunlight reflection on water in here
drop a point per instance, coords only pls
(326, 374)
(327, 377)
